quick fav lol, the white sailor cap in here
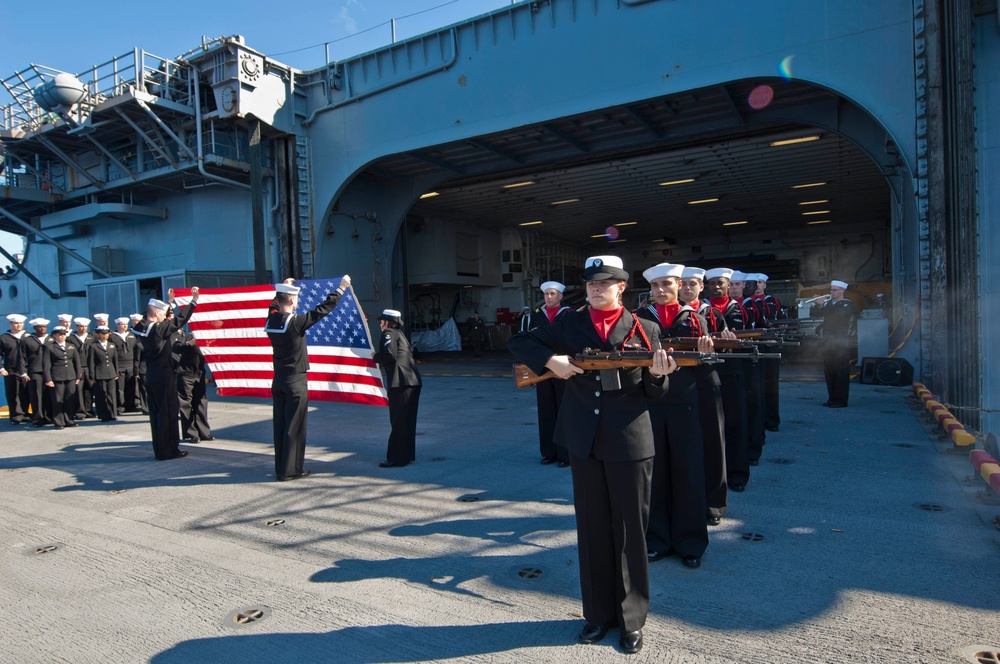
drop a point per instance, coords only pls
(135, 316)
(751, 276)
(837, 283)
(287, 288)
(719, 273)
(66, 318)
(59, 329)
(80, 320)
(599, 268)
(16, 318)
(391, 314)
(762, 277)
(101, 317)
(102, 328)
(663, 270)
(157, 304)
(693, 273)
(552, 284)
(738, 276)
(39, 322)
(123, 319)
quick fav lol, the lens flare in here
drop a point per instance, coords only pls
(785, 68)
(611, 232)
(760, 97)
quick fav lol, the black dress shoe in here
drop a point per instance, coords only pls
(692, 562)
(390, 464)
(827, 404)
(547, 460)
(72, 424)
(563, 464)
(773, 427)
(631, 642)
(193, 441)
(289, 478)
(653, 556)
(180, 455)
(738, 488)
(59, 426)
(593, 633)
(837, 404)
(714, 520)
(754, 462)
(209, 438)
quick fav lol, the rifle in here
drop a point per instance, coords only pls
(720, 343)
(594, 360)
(768, 337)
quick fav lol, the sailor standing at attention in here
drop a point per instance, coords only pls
(290, 387)
(604, 421)
(549, 394)
(15, 389)
(161, 386)
(402, 382)
(839, 330)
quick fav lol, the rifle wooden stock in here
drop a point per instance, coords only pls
(598, 361)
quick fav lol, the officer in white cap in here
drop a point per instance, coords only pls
(678, 506)
(403, 383)
(102, 367)
(62, 368)
(81, 338)
(290, 389)
(604, 421)
(839, 330)
(139, 402)
(15, 388)
(549, 395)
(32, 371)
(161, 385)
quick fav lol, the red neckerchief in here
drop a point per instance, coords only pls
(720, 304)
(604, 321)
(551, 312)
(667, 313)
(760, 297)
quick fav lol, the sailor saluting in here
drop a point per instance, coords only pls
(290, 388)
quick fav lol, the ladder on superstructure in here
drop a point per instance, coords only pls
(303, 205)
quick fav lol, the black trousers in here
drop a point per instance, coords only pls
(85, 397)
(548, 396)
(734, 405)
(772, 410)
(163, 412)
(290, 410)
(402, 446)
(16, 391)
(140, 393)
(837, 371)
(677, 504)
(611, 500)
(756, 406)
(41, 400)
(64, 402)
(713, 423)
(106, 398)
(193, 407)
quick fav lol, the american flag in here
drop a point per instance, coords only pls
(229, 327)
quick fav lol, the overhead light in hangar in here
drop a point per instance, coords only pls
(529, 223)
(704, 200)
(811, 184)
(825, 200)
(616, 241)
(805, 214)
(601, 235)
(626, 223)
(673, 182)
(568, 200)
(514, 185)
(795, 141)
(813, 223)
(735, 223)
(430, 194)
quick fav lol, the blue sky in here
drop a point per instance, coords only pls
(72, 36)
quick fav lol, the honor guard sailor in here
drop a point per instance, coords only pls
(32, 372)
(549, 394)
(290, 387)
(102, 367)
(62, 369)
(839, 330)
(604, 422)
